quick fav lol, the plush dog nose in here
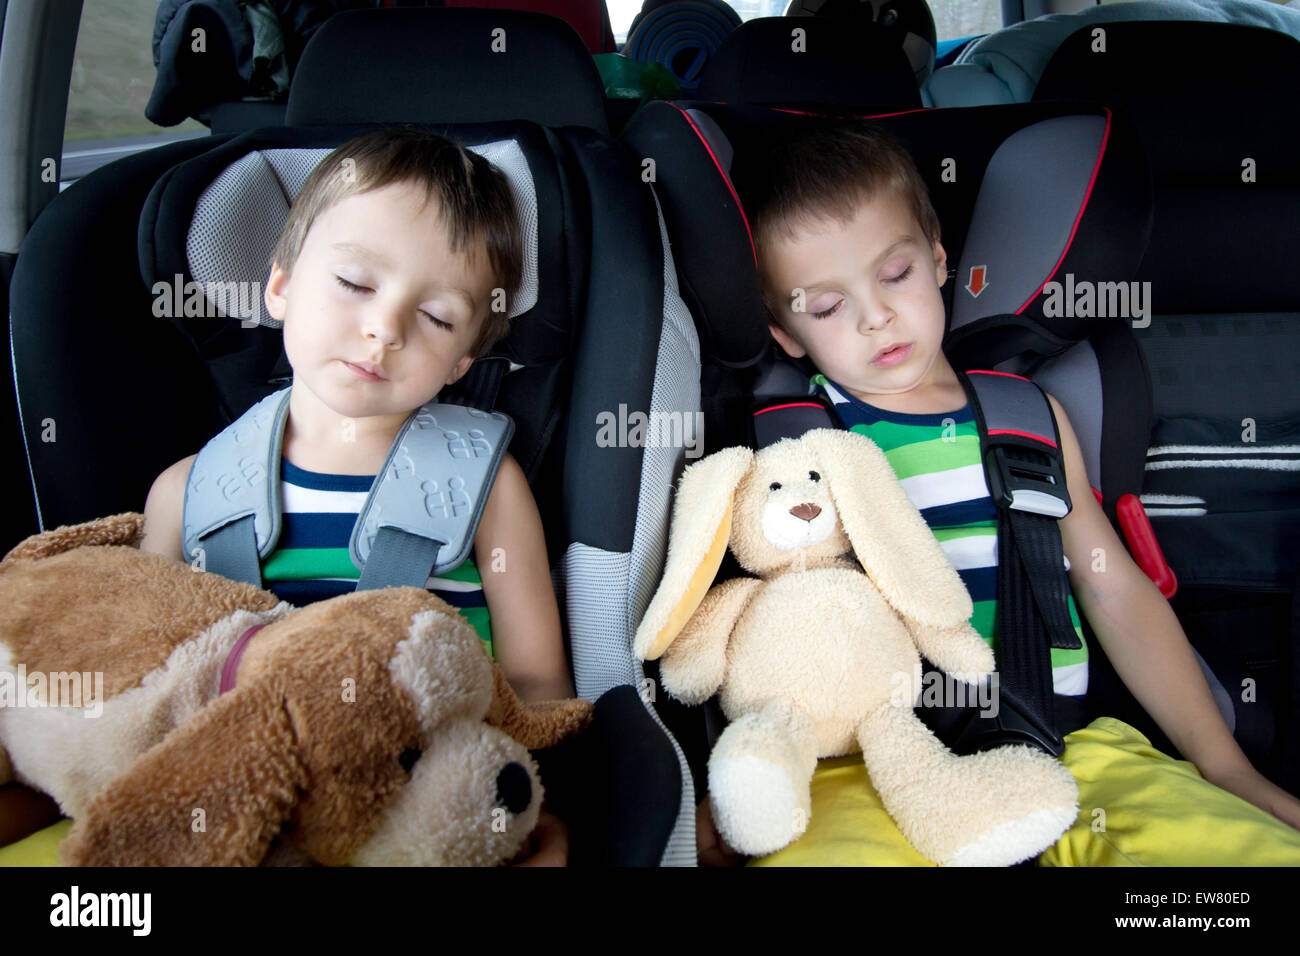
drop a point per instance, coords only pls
(805, 511)
(514, 789)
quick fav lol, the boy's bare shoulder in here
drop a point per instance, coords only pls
(164, 511)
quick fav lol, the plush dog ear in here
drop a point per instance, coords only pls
(697, 541)
(124, 529)
(893, 543)
(214, 792)
(536, 726)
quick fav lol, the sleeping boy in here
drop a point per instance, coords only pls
(851, 264)
(388, 277)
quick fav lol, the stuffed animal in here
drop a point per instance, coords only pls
(214, 718)
(809, 656)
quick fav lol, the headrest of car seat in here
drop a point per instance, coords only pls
(589, 18)
(832, 64)
(1063, 199)
(215, 219)
(239, 216)
(1028, 192)
(1230, 112)
(442, 65)
(909, 22)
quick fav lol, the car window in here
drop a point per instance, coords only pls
(112, 77)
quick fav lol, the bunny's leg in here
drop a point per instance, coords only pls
(989, 809)
(759, 777)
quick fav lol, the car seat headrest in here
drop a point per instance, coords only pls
(445, 65)
(1229, 112)
(908, 22)
(1012, 199)
(238, 218)
(832, 64)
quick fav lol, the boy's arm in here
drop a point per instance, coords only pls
(164, 512)
(511, 554)
(1143, 639)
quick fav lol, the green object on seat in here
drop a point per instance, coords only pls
(39, 849)
(628, 79)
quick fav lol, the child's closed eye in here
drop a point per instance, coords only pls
(351, 286)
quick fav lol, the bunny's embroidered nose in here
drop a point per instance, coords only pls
(805, 511)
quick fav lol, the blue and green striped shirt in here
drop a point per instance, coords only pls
(311, 561)
(937, 460)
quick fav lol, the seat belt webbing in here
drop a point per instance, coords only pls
(399, 559)
(231, 551)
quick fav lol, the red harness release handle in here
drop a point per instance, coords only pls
(1135, 524)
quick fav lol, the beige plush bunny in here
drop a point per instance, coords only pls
(810, 655)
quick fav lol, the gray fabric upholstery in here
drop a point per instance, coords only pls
(1033, 190)
(239, 216)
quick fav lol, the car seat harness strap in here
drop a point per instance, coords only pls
(423, 506)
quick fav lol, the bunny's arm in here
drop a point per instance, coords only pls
(957, 649)
(693, 666)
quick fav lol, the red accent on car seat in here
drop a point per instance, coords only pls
(777, 408)
(588, 18)
(1017, 431)
(781, 109)
(989, 371)
(725, 178)
(1096, 168)
(1135, 524)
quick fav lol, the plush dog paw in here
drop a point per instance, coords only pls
(756, 806)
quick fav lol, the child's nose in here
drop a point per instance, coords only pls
(875, 316)
(384, 326)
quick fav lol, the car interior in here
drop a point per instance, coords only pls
(620, 125)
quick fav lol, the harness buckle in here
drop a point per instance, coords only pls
(1023, 478)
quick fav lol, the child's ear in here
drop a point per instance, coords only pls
(940, 262)
(273, 294)
(786, 341)
(459, 370)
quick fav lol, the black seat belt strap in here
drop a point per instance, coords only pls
(1026, 478)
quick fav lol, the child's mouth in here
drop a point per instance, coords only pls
(891, 356)
(362, 373)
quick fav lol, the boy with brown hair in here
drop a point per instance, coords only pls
(851, 265)
(394, 271)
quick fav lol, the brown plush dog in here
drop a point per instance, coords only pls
(354, 733)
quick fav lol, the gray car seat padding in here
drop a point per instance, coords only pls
(239, 216)
(1005, 66)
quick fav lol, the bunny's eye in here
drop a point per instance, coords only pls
(814, 476)
(775, 486)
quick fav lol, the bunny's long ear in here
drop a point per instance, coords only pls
(895, 546)
(214, 792)
(697, 541)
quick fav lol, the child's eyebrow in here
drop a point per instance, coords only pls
(357, 249)
(831, 280)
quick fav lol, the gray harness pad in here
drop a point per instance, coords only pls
(432, 484)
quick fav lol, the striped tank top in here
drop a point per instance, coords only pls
(311, 561)
(937, 460)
